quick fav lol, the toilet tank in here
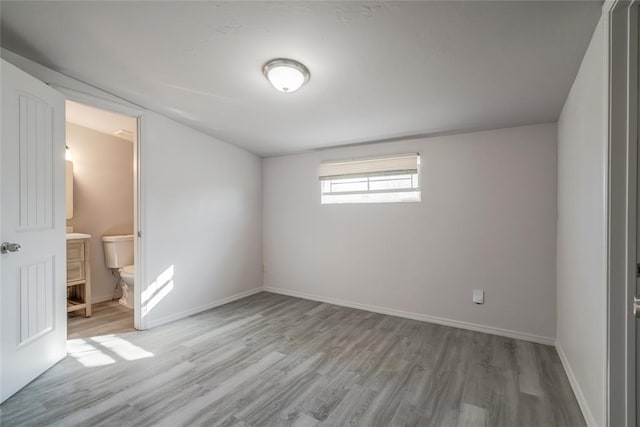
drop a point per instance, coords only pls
(118, 250)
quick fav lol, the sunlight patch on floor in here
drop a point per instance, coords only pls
(104, 350)
(122, 347)
(88, 355)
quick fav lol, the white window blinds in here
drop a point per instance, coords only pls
(392, 165)
(379, 180)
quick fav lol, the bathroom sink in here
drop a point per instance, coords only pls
(74, 236)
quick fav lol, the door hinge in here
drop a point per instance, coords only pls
(637, 270)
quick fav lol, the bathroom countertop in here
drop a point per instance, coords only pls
(76, 236)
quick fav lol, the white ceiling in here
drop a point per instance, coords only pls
(378, 70)
(100, 120)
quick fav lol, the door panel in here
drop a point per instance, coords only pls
(32, 214)
(36, 300)
(35, 164)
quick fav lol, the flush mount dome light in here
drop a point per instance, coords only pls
(286, 75)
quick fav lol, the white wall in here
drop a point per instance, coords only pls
(203, 219)
(581, 277)
(103, 196)
(202, 213)
(487, 220)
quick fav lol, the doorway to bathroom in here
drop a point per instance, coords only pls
(101, 206)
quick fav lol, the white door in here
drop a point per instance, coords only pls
(32, 215)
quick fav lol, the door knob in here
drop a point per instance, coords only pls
(636, 306)
(7, 247)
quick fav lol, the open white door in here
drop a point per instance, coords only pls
(32, 215)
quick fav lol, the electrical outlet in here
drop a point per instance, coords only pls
(478, 296)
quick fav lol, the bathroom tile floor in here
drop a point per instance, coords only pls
(273, 360)
(109, 317)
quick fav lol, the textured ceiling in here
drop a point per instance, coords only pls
(378, 70)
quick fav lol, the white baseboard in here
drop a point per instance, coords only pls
(102, 298)
(152, 323)
(415, 316)
(577, 391)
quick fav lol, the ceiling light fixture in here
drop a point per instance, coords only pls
(286, 75)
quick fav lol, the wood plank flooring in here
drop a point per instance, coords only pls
(273, 360)
(109, 317)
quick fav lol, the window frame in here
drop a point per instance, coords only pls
(412, 193)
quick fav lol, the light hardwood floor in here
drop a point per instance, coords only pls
(272, 360)
(109, 317)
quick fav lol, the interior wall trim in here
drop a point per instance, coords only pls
(152, 323)
(575, 386)
(102, 298)
(415, 316)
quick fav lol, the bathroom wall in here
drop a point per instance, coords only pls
(103, 196)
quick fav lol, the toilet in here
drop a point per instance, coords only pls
(118, 255)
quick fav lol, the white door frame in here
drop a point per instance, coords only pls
(139, 322)
(621, 23)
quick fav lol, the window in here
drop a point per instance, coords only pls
(379, 180)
